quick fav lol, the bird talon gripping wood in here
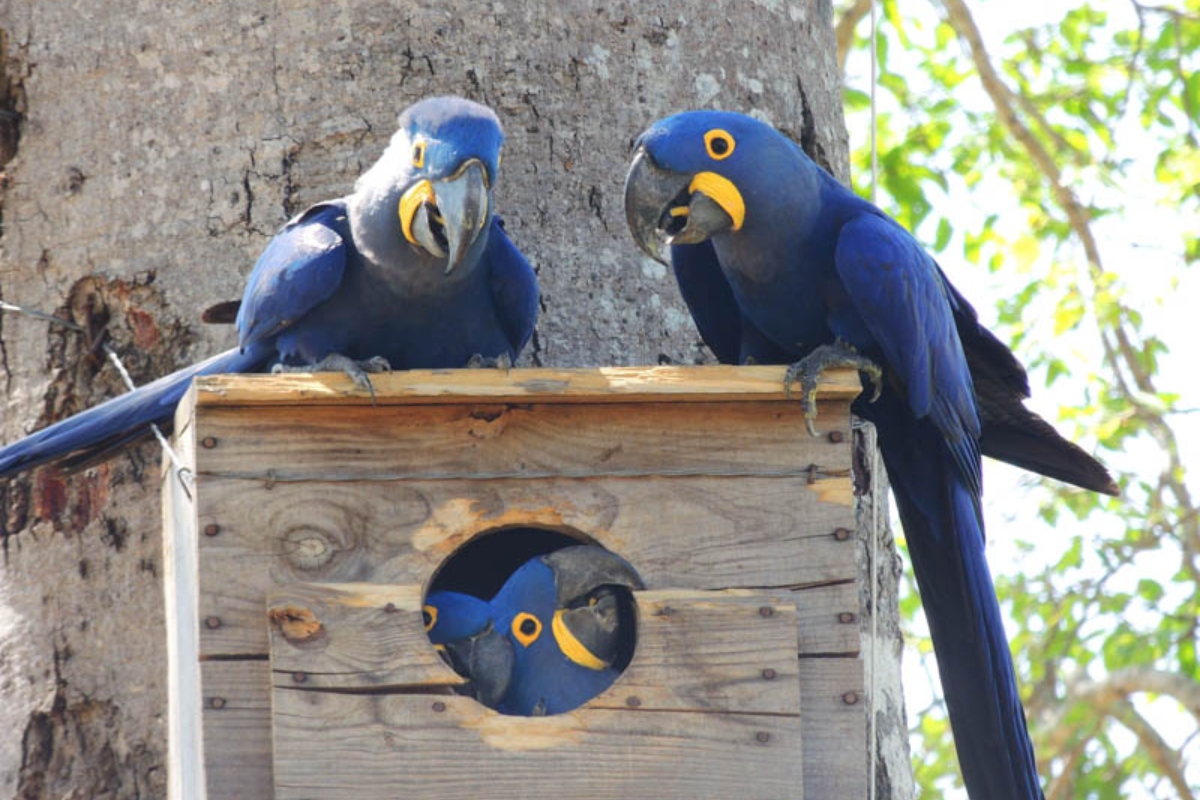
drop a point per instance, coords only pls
(808, 372)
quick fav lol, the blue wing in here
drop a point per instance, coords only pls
(905, 304)
(301, 267)
(714, 308)
(514, 288)
(709, 298)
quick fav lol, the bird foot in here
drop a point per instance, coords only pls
(357, 371)
(479, 361)
(808, 372)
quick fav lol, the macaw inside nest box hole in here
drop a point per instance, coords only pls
(538, 621)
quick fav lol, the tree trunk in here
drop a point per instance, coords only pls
(150, 150)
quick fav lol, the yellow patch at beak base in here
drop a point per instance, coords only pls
(571, 647)
(722, 192)
(417, 195)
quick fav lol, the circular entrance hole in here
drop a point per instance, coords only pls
(540, 621)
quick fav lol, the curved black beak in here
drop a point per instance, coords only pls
(579, 571)
(665, 207)
(488, 659)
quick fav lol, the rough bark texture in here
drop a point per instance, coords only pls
(148, 152)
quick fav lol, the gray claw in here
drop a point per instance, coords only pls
(808, 372)
(479, 361)
(357, 371)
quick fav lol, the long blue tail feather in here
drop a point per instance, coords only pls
(80, 438)
(943, 526)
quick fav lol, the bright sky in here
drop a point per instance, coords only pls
(1142, 246)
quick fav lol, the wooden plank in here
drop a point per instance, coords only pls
(353, 635)
(834, 727)
(185, 753)
(705, 533)
(675, 384)
(333, 746)
(731, 650)
(330, 443)
(237, 730)
(828, 620)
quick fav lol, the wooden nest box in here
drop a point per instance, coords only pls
(313, 520)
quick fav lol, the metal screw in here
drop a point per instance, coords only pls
(841, 534)
(846, 617)
(439, 706)
(212, 529)
(217, 702)
(633, 701)
(768, 674)
(390, 608)
(850, 698)
(766, 611)
(299, 677)
(836, 437)
(763, 737)
(212, 623)
(208, 442)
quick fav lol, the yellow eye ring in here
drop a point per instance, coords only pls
(418, 155)
(719, 144)
(526, 628)
(429, 615)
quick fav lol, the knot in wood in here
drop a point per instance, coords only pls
(296, 624)
(309, 548)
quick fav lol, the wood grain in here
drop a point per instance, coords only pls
(369, 636)
(834, 727)
(237, 748)
(828, 620)
(731, 650)
(181, 589)
(336, 444)
(331, 746)
(701, 533)
(674, 384)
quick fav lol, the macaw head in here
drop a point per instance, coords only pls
(460, 627)
(701, 174)
(565, 617)
(431, 189)
(552, 638)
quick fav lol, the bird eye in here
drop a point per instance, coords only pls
(418, 155)
(429, 615)
(526, 628)
(719, 144)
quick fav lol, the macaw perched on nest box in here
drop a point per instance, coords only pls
(780, 264)
(412, 270)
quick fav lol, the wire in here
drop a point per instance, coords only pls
(186, 479)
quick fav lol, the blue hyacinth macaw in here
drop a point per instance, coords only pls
(412, 270)
(780, 264)
(553, 637)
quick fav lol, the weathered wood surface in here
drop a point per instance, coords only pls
(828, 620)
(834, 727)
(181, 591)
(449, 748)
(700, 533)
(332, 443)
(238, 735)
(352, 636)
(237, 731)
(731, 650)
(674, 384)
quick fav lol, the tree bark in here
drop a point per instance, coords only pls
(151, 149)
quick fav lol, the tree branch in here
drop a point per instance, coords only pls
(845, 28)
(1165, 757)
